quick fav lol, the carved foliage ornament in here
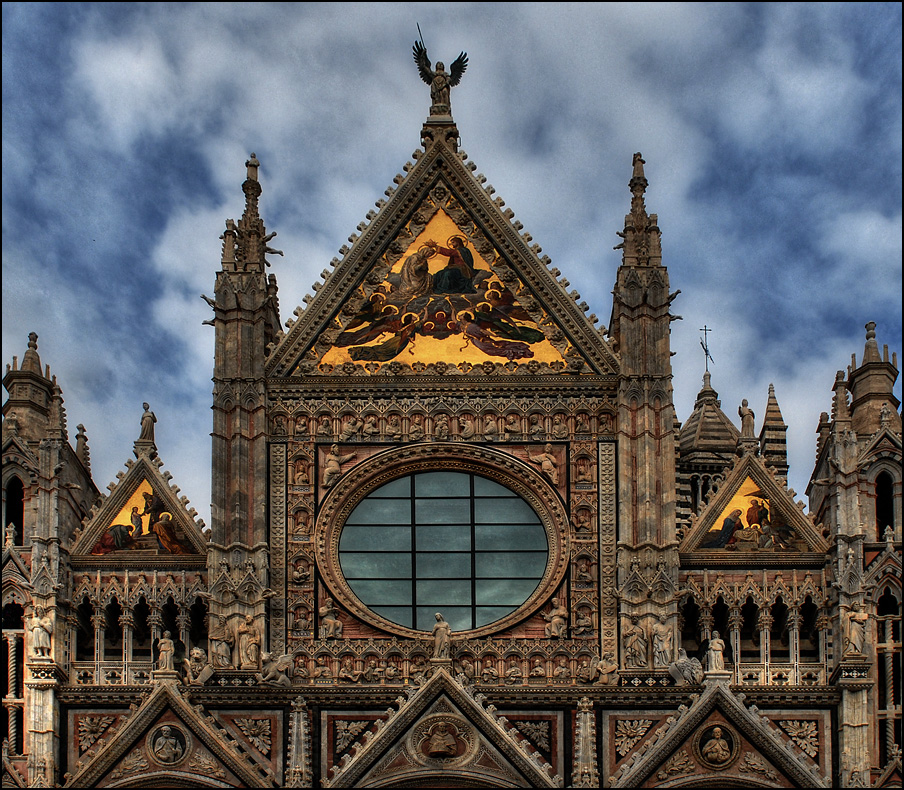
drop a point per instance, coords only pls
(258, 732)
(804, 734)
(628, 733)
(90, 728)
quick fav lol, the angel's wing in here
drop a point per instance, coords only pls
(458, 68)
(423, 62)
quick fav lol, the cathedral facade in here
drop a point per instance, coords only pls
(459, 537)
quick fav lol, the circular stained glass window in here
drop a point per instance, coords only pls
(448, 542)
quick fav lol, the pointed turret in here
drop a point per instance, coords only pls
(31, 394)
(640, 330)
(81, 448)
(773, 439)
(247, 322)
(872, 387)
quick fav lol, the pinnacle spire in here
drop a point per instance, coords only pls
(640, 244)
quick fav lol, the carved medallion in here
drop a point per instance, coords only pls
(716, 746)
(443, 740)
(168, 744)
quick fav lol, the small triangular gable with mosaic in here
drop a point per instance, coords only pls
(143, 517)
(441, 280)
(753, 512)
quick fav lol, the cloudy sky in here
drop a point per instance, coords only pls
(771, 131)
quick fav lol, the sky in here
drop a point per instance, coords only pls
(771, 134)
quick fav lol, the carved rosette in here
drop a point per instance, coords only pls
(386, 466)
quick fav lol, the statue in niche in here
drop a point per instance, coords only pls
(585, 472)
(166, 650)
(372, 673)
(583, 424)
(390, 670)
(585, 673)
(536, 427)
(41, 628)
(715, 661)
(662, 642)
(442, 638)
(556, 620)
(582, 521)
(419, 671)
(147, 424)
(301, 573)
(348, 672)
(559, 427)
(440, 81)
(466, 671)
(331, 624)
(248, 644)
(370, 428)
(854, 631)
(301, 425)
(489, 673)
(686, 671)
(324, 427)
(350, 428)
(562, 670)
(416, 429)
(321, 668)
(583, 573)
(332, 466)
(301, 474)
(583, 623)
(747, 420)
(441, 426)
(607, 669)
(635, 644)
(549, 465)
(513, 675)
(222, 642)
(279, 425)
(537, 670)
(512, 426)
(466, 427)
(393, 426)
(490, 428)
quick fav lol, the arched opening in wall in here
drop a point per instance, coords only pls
(198, 624)
(141, 633)
(809, 634)
(750, 633)
(13, 617)
(15, 509)
(888, 667)
(885, 504)
(169, 616)
(113, 632)
(720, 624)
(84, 631)
(779, 643)
(690, 629)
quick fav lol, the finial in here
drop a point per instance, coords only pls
(440, 81)
(145, 442)
(704, 341)
(870, 330)
(33, 340)
(639, 162)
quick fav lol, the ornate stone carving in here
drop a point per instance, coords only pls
(345, 733)
(678, 764)
(805, 735)
(628, 732)
(258, 732)
(90, 728)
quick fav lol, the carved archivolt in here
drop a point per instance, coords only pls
(384, 467)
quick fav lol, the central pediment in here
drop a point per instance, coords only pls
(441, 280)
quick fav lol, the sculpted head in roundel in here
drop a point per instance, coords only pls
(441, 302)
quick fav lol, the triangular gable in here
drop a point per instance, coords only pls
(750, 484)
(17, 452)
(16, 585)
(439, 728)
(753, 751)
(884, 444)
(145, 495)
(495, 302)
(194, 748)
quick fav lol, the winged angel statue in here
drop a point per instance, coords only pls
(440, 81)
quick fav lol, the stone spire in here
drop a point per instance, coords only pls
(773, 439)
(841, 415)
(641, 236)
(707, 434)
(31, 395)
(81, 448)
(872, 388)
(31, 362)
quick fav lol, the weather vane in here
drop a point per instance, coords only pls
(440, 81)
(704, 343)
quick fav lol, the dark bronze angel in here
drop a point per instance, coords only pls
(440, 81)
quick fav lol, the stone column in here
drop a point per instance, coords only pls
(764, 623)
(794, 645)
(127, 620)
(12, 669)
(42, 715)
(99, 621)
(735, 620)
